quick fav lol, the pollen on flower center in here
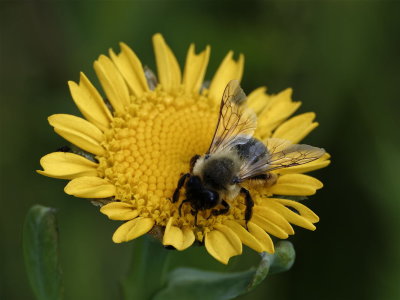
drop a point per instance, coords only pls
(150, 145)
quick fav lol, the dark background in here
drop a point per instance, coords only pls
(340, 57)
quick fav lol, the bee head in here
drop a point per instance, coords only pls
(200, 197)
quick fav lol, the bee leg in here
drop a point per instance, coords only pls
(194, 213)
(217, 212)
(181, 182)
(249, 204)
(180, 206)
(268, 178)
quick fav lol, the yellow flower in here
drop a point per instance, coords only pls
(140, 137)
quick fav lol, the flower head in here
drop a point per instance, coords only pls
(136, 142)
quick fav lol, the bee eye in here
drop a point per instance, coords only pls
(211, 197)
(207, 156)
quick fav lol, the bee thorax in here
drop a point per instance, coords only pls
(218, 172)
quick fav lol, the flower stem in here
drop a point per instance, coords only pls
(146, 275)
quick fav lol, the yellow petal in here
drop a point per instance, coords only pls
(119, 211)
(279, 109)
(78, 131)
(295, 185)
(257, 100)
(227, 71)
(274, 217)
(291, 216)
(261, 236)
(319, 163)
(222, 243)
(90, 103)
(269, 227)
(302, 210)
(131, 69)
(132, 229)
(66, 165)
(173, 235)
(195, 69)
(296, 128)
(112, 82)
(246, 238)
(168, 69)
(90, 187)
(177, 237)
(188, 237)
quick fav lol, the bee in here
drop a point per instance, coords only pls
(234, 157)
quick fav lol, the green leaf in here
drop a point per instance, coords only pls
(40, 242)
(185, 283)
(148, 269)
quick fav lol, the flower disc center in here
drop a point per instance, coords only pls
(150, 146)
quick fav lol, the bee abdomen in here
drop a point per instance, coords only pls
(252, 150)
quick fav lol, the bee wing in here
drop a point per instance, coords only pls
(280, 154)
(236, 123)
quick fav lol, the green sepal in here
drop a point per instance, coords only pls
(283, 258)
(186, 283)
(40, 244)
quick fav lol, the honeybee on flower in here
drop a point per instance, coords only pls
(234, 157)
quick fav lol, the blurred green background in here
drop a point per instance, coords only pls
(340, 57)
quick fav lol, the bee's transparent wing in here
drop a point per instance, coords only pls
(236, 123)
(284, 154)
(280, 154)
